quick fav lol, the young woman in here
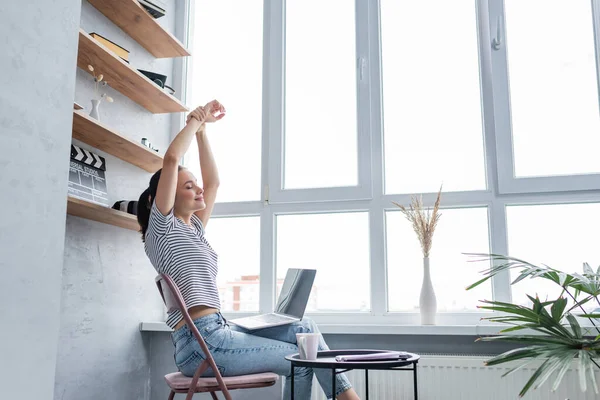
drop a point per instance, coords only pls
(173, 213)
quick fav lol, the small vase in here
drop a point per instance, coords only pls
(427, 301)
(94, 112)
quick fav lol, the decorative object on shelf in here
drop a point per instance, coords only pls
(128, 206)
(87, 178)
(98, 80)
(159, 79)
(553, 339)
(424, 223)
(154, 8)
(118, 50)
(147, 143)
(121, 76)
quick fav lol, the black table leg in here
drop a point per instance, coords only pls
(292, 385)
(415, 381)
(367, 383)
(333, 383)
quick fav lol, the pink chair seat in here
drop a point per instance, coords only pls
(179, 382)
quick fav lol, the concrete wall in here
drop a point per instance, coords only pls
(108, 282)
(38, 50)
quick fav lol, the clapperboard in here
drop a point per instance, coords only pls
(86, 176)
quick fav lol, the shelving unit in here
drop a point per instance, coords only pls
(133, 19)
(124, 78)
(98, 135)
(95, 212)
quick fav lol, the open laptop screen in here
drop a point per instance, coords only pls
(295, 291)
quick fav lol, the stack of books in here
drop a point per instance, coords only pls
(154, 7)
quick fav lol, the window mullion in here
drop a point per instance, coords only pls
(369, 18)
(596, 21)
(496, 211)
(502, 119)
(273, 93)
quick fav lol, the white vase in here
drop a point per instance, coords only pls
(427, 301)
(94, 112)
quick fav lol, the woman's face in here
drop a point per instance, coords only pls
(188, 196)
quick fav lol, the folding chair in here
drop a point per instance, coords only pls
(180, 383)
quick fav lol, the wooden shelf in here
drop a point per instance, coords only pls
(98, 135)
(124, 78)
(132, 18)
(95, 212)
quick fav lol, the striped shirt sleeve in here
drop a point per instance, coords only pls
(158, 223)
(198, 223)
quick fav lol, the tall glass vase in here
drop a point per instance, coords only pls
(427, 300)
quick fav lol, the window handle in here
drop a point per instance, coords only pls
(497, 41)
(362, 65)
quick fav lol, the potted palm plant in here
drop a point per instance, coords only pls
(550, 331)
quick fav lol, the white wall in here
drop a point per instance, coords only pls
(108, 282)
(38, 47)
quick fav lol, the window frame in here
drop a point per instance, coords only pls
(502, 188)
(508, 183)
(275, 104)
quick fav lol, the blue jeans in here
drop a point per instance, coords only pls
(237, 351)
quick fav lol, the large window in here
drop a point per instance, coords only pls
(320, 95)
(226, 65)
(338, 108)
(553, 87)
(431, 96)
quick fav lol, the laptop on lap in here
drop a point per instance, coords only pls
(290, 305)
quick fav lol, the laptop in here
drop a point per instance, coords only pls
(291, 304)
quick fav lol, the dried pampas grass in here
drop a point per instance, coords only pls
(423, 220)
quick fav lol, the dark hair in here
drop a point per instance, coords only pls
(145, 202)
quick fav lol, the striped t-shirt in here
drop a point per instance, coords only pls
(181, 252)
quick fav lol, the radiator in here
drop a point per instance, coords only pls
(461, 378)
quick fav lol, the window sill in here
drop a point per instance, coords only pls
(371, 329)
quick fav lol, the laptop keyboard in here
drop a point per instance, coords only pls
(268, 318)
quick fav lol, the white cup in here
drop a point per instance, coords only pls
(308, 345)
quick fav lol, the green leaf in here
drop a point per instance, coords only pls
(582, 370)
(534, 377)
(537, 339)
(553, 364)
(588, 315)
(592, 374)
(514, 328)
(479, 282)
(574, 326)
(563, 370)
(558, 309)
(515, 354)
(587, 270)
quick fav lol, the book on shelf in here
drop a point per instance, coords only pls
(115, 48)
(154, 8)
